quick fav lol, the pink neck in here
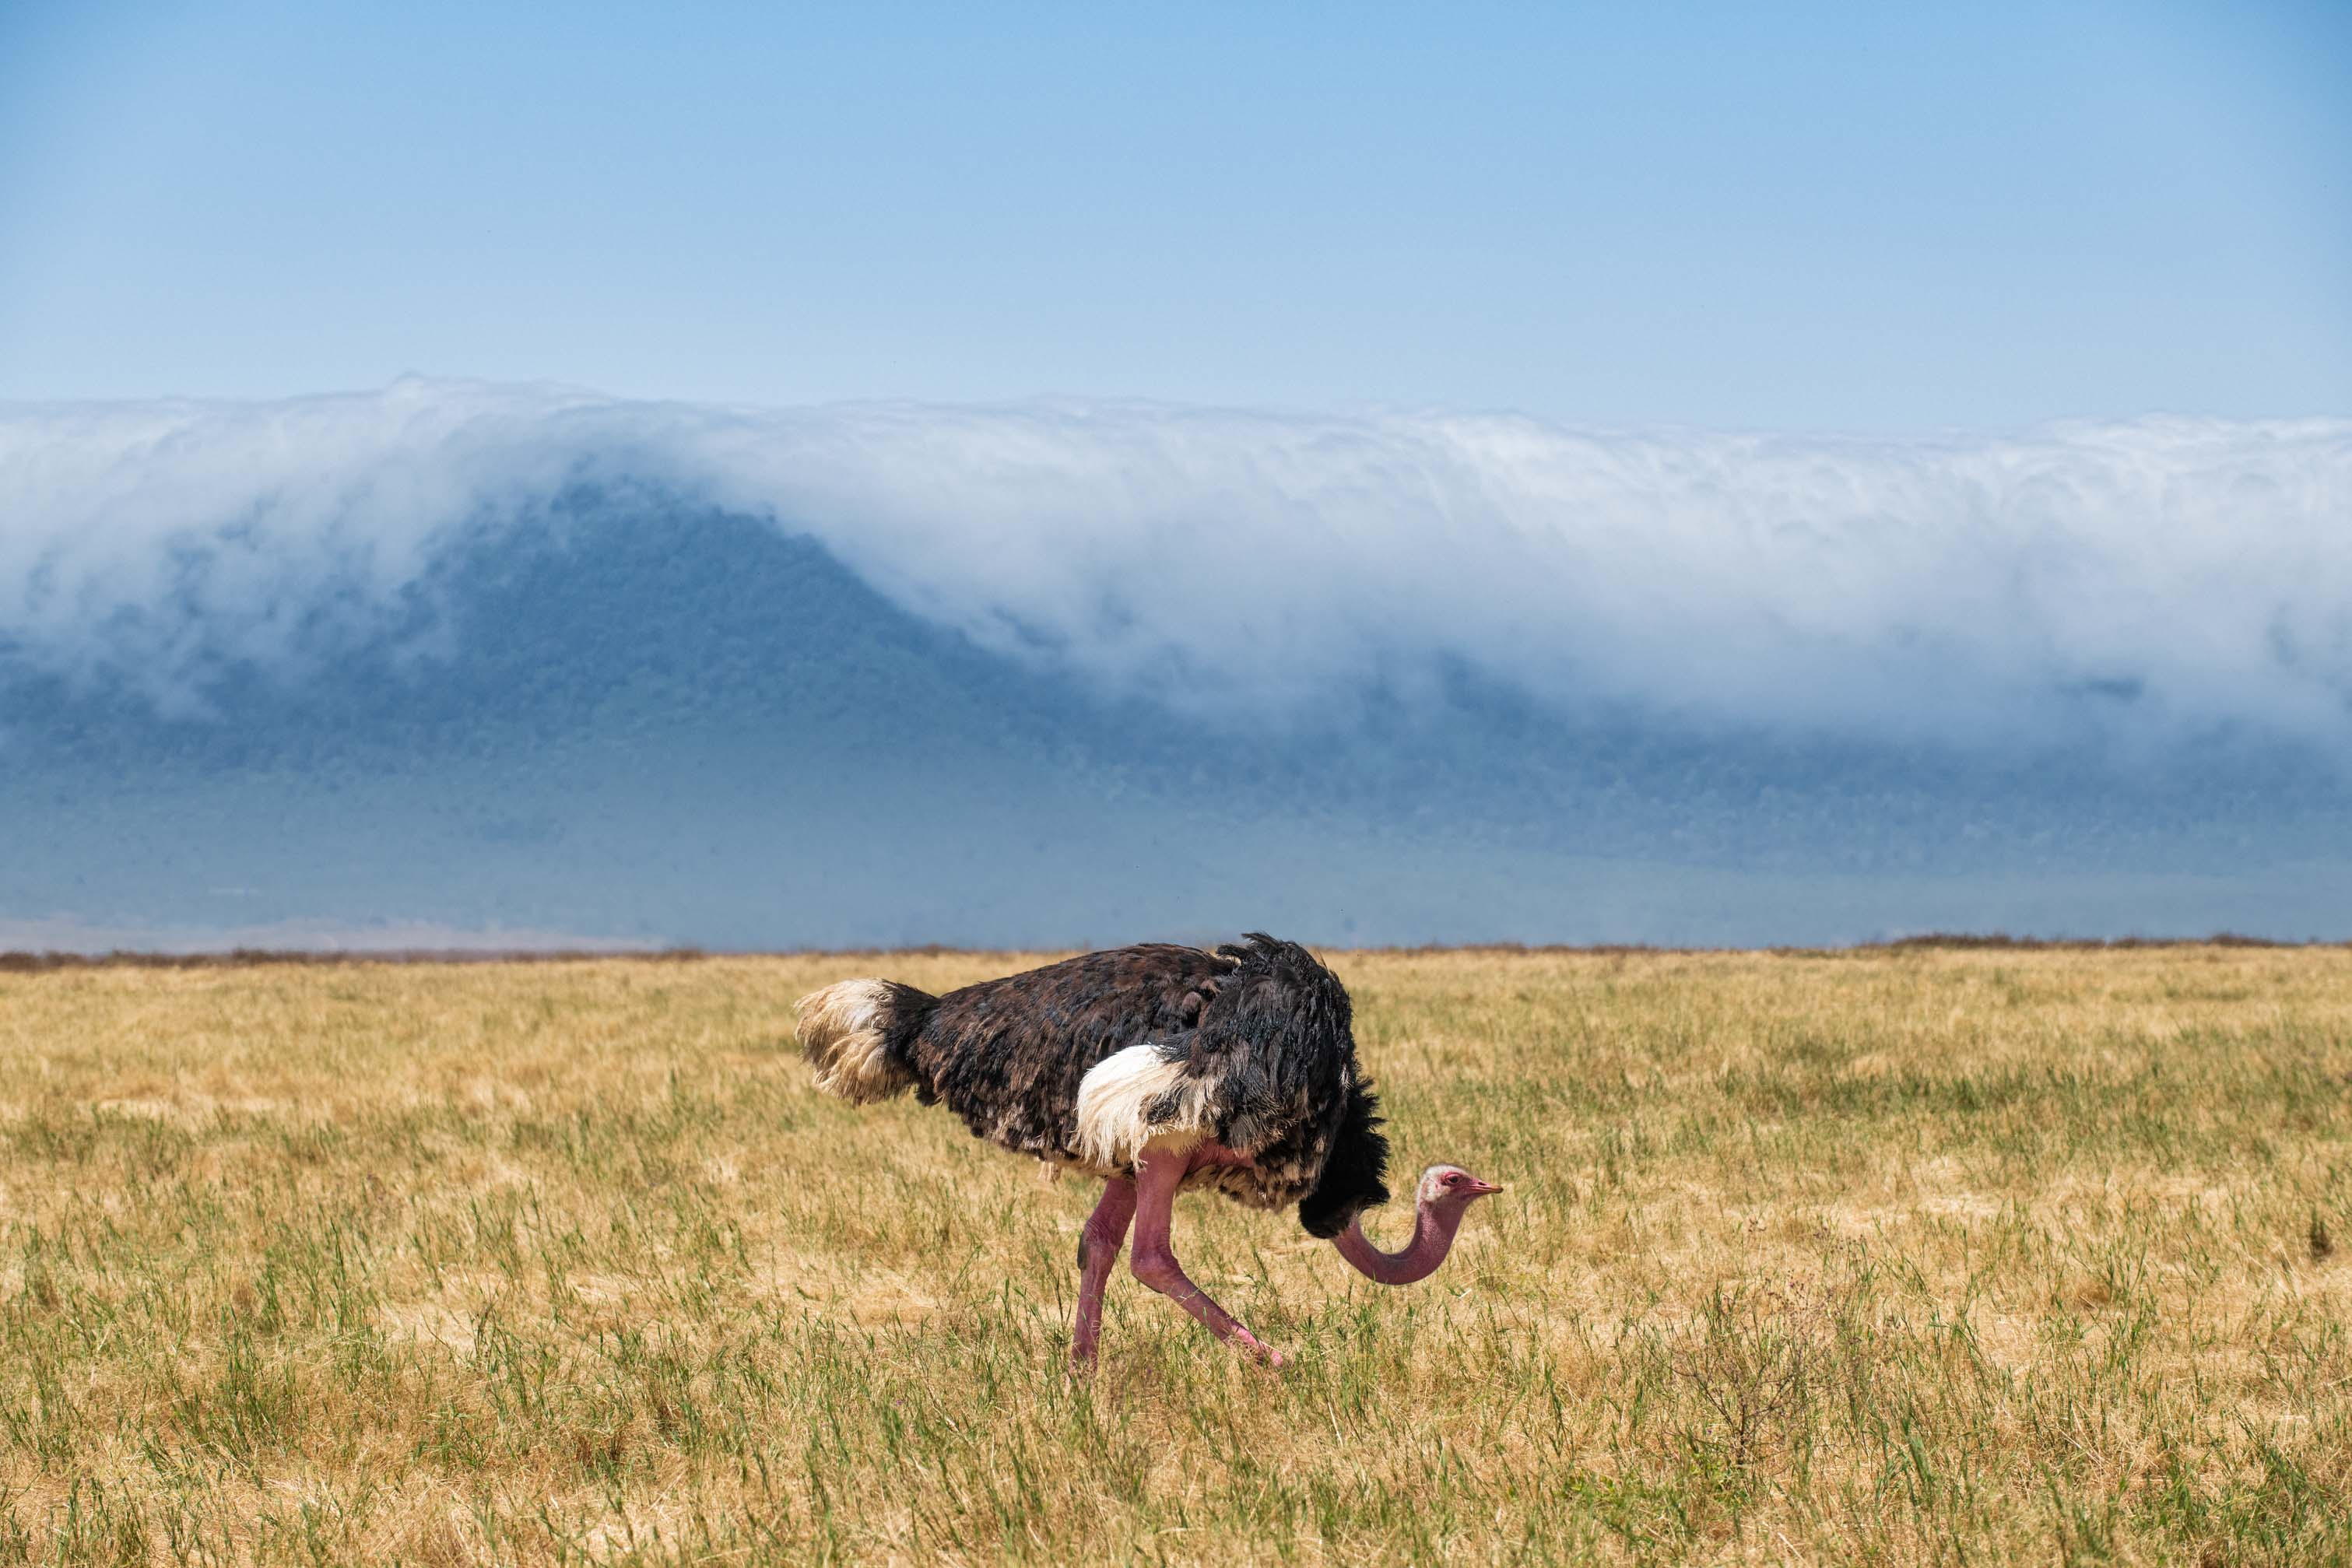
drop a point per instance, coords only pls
(1433, 1237)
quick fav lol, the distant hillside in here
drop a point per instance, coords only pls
(622, 716)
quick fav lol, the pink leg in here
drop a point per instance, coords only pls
(1157, 1177)
(1098, 1246)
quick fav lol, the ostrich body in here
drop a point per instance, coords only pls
(1158, 1070)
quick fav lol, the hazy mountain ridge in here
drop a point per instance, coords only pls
(627, 714)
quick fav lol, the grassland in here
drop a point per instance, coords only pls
(1892, 1257)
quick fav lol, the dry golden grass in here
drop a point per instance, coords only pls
(1891, 1257)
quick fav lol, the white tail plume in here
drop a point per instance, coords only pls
(844, 1033)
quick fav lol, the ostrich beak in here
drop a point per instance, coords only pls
(1480, 1188)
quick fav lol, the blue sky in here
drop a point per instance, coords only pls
(1862, 217)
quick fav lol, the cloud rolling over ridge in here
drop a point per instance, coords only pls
(2161, 580)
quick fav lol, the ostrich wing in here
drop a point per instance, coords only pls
(1007, 1055)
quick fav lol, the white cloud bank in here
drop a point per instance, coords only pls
(1962, 587)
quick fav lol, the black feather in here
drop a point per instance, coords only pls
(1355, 1172)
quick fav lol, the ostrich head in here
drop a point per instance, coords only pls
(1452, 1187)
(1443, 1196)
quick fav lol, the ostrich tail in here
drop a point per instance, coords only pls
(854, 1033)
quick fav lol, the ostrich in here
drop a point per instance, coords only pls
(1159, 1069)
